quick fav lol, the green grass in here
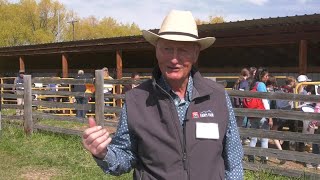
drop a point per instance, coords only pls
(251, 175)
(8, 112)
(46, 156)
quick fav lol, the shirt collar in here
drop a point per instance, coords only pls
(165, 85)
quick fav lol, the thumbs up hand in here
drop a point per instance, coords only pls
(96, 139)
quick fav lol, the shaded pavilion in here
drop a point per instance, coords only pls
(283, 44)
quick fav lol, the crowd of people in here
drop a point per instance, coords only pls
(81, 113)
(260, 80)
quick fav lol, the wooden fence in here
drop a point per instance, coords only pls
(31, 119)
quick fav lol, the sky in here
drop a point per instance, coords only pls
(148, 14)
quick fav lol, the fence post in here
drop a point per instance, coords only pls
(99, 97)
(28, 123)
(0, 112)
(1, 101)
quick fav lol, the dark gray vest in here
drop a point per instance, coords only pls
(167, 150)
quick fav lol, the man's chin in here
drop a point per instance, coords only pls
(173, 76)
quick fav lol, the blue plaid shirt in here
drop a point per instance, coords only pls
(120, 159)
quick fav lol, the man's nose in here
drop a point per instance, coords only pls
(175, 57)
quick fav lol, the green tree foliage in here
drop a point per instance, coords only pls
(211, 20)
(92, 28)
(36, 21)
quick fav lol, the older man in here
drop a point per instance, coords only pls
(178, 125)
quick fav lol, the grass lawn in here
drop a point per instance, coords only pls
(48, 155)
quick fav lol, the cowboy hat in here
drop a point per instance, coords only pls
(179, 26)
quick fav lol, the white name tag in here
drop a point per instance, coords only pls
(207, 130)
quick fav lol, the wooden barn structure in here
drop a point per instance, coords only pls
(283, 44)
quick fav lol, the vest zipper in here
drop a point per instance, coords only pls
(141, 175)
(185, 165)
(185, 154)
(183, 143)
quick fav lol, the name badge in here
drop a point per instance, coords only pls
(207, 130)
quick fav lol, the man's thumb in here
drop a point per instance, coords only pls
(92, 122)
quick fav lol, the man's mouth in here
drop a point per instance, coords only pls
(174, 68)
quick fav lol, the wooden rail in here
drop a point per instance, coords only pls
(282, 135)
(275, 113)
(274, 96)
(58, 130)
(62, 81)
(11, 106)
(40, 115)
(10, 85)
(78, 94)
(13, 96)
(283, 154)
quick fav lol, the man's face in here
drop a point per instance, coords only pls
(136, 77)
(106, 73)
(21, 75)
(175, 59)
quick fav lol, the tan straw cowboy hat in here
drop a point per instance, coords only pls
(179, 26)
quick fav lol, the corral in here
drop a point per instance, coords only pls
(32, 117)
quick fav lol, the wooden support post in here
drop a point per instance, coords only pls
(28, 122)
(303, 57)
(0, 122)
(64, 66)
(99, 97)
(119, 75)
(21, 63)
(0, 113)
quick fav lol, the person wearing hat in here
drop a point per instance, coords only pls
(303, 78)
(107, 88)
(177, 125)
(79, 99)
(18, 89)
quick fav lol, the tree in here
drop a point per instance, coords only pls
(92, 28)
(212, 20)
(36, 21)
(42, 19)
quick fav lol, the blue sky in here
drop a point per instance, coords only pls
(148, 14)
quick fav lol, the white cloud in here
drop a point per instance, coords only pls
(303, 1)
(258, 2)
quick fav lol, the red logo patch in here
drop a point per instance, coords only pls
(195, 115)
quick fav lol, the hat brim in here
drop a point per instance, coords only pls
(152, 38)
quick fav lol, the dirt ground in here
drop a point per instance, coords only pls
(289, 164)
